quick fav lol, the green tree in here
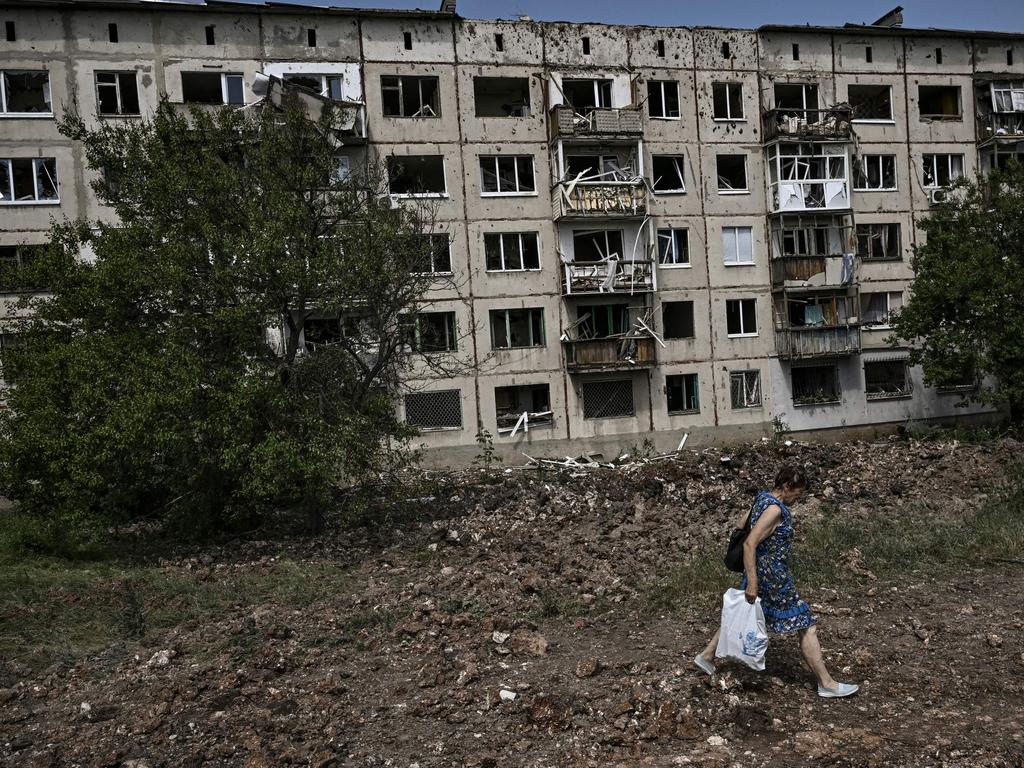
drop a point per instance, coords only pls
(965, 314)
(164, 374)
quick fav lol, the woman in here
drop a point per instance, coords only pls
(766, 575)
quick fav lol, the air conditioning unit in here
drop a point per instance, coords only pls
(938, 196)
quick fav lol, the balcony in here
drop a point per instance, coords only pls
(601, 122)
(999, 126)
(618, 199)
(798, 343)
(612, 276)
(609, 354)
(808, 124)
(813, 271)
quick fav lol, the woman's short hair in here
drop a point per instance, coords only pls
(790, 476)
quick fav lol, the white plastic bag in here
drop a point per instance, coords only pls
(743, 634)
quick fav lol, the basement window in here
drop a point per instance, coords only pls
(663, 99)
(117, 93)
(816, 385)
(669, 173)
(585, 96)
(887, 379)
(410, 96)
(517, 328)
(434, 410)
(501, 96)
(674, 247)
(507, 175)
(745, 389)
(681, 393)
(25, 92)
(210, 40)
(607, 399)
(677, 319)
(732, 173)
(728, 101)
(511, 251)
(939, 102)
(429, 332)
(28, 180)
(522, 408)
(879, 242)
(212, 88)
(435, 255)
(112, 32)
(416, 175)
(871, 103)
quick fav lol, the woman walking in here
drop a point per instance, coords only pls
(766, 575)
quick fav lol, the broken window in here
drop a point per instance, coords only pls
(434, 410)
(799, 97)
(212, 88)
(416, 175)
(871, 102)
(677, 319)
(738, 245)
(941, 170)
(596, 245)
(732, 173)
(876, 308)
(745, 389)
(885, 379)
(681, 393)
(1008, 97)
(669, 173)
(874, 172)
(961, 380)
(328, 86)
(879, 241)
(25, 92)
(511, 251)
(741, 317)
(436, 255)
(28, 180)
(585, 96)
(728, 101)
(663, 99)
(939, 102)
(342, 169)
(607, 399)
(522, 408)
(501, 96)
(592, 166)
(819, 311)
(813, 384)
(674, 247)
(507, 175)
(514, 328)
(427, 332)
(117, 93)
(410, 96)
(599, 321)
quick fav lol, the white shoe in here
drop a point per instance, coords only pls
(841, 690)
(705, 665)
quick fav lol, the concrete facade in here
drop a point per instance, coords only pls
(723, 84)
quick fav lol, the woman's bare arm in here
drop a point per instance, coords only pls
(763, 528)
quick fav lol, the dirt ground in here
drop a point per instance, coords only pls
(529, 619)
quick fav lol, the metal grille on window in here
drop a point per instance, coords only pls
(603, 399)
(434, 410)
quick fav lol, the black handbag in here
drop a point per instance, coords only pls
(734, 552)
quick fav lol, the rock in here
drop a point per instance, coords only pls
(587, 667)
(162, 658)
(717, 741)
(549, 713)
(506, 695)
(531, 582)
(500, 637)
(447, 571)
(995, 641)
(532, 643)
(814, 744)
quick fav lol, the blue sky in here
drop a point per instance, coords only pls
(1000, 15)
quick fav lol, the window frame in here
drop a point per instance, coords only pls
(225, 89)
(672, 238)
(746, 175)
(497, 176)
(886, 324)
(935, 167)
(501, 251)
(117, 85)
(873, 227)
(685, 379)
(860, 162)
(743, 333)
(804, 402)
(692, 319)
(958, 117)
(891, 120)
(679, 164)
(36, 162)
(422, 195)
(435, 238)
(664, 103)
(743, 374)
(412, 322)
(735, 229)
(400, 87)
(4, 113)
(728, 84)
(907, 391)
(531, 314)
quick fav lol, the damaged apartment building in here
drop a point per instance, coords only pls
(651, 231)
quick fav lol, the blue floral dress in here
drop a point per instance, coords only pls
(784, 611)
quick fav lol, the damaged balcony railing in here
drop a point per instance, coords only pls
(813, 271)
(599, 199)
(514, 422)
(600, 121)
(608, 276)
(832, 124)
(1000, 125)
(628, 350)
(817, 341)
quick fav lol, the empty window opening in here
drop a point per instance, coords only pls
(112, 32)
(585, 96)
(798, 97)
(868, 54)
(511, 251)
(745, 389)
(732, 173)
(586, 46)
(728, 101)
(874, 172)
(871, 102)
(1009, 57)
(879, 241)
(117, 93)
(407, 40)
(416, 175)
(311, 37)
(515, 328)
(212, 88)
(607, 399)
(660, 48)
(796, 52)
(596, 245)
(433, 254)
(941, 170)
(599, 321)
(884, 379)
(499, 41)
(669, 173)
(10, 30)
(410, 96)
(522, 408)
(501, 96)
(209, 35)
(591, 166)
(938, 55)
(663, 99)
(326, 330)
(674, 247)
(25, 92)
(681, 393)
(329, 86)
(939, 102)
(738, 245)
(741, 317)
(876, 309)
(507, 175)
(429, 332)
(815, 384)
(677, 319)
(434, 410)
(28, 180)
(725, 51)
